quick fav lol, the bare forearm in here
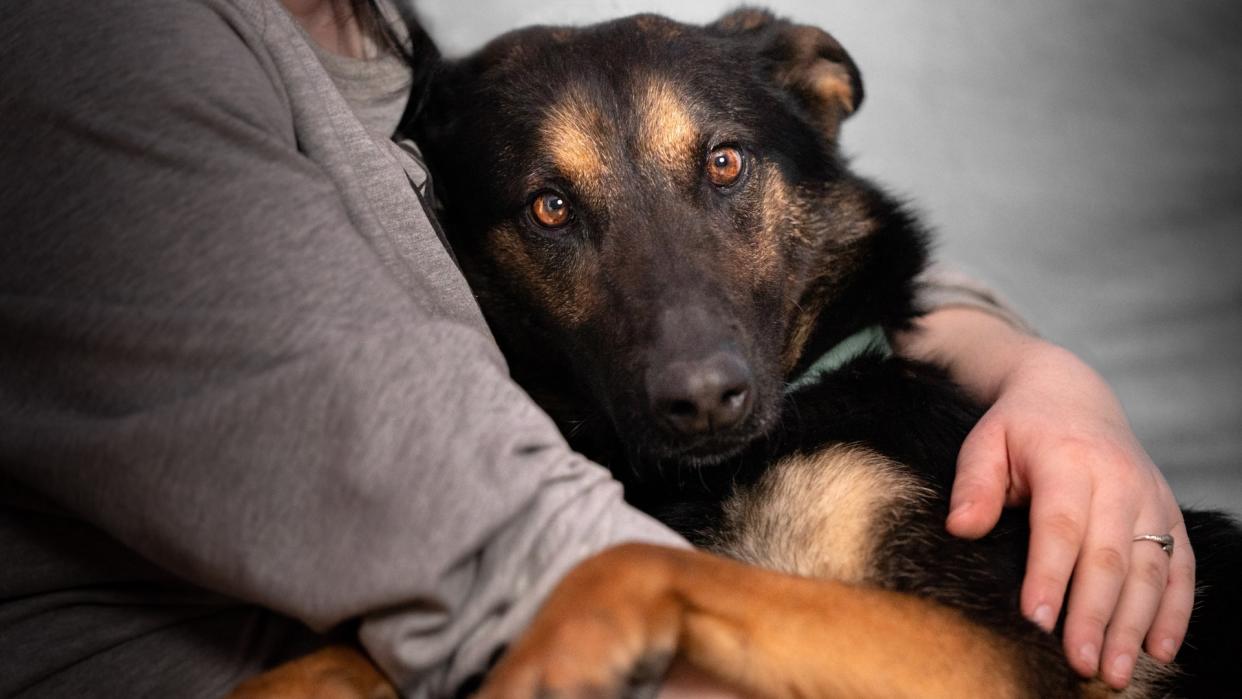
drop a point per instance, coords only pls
(979, 349)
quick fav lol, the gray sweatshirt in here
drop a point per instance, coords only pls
(243, 388)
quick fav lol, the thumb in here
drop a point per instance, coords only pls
(981, 481)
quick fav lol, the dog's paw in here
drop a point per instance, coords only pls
(563, 672)
(608, 630)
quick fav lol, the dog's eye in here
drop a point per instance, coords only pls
(550, 210)
(724, 165)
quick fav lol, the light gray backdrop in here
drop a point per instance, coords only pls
(1082, 156)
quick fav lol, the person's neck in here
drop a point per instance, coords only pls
(331, 24)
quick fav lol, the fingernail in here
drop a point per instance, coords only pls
(1043, 617)
(1122, 665)
(1168, 647)
(961, 509)
(1089, 655)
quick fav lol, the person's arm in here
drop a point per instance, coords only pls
(203, 358)
(1055, 436)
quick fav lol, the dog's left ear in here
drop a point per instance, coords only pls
(802, 59)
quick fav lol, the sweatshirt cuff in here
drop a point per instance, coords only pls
(941, 287)
(430, 649)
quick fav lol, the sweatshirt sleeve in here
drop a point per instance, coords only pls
(943, 286)
(204, 359)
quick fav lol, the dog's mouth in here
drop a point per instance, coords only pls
(651, 441)
(708, 453)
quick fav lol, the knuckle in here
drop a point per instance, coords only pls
(1048, 581)
(1152, 573)
(1113, 465)
(1093, 620)
(1126, 634)
(1129, 482)
(1077, 450)
(1122, 477)
(1108, 560)
(1063, 527)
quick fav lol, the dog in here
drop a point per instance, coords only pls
(670, 249)
(684, 272)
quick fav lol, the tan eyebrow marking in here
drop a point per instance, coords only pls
(668, 133)
(574, 136)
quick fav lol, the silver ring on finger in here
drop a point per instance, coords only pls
(1165, 541)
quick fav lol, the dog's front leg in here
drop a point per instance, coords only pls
(619, 618)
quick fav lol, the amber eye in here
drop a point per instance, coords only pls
(724, 165)
(550, 210)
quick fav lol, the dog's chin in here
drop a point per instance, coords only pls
(708, 456)
(699, 452)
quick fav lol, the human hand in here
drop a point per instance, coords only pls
(1057, 437)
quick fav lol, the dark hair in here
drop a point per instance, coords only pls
(419, 51)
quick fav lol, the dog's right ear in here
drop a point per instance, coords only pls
(804, 60)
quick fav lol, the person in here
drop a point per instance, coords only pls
(248, 398)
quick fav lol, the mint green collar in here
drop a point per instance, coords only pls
(871, 338)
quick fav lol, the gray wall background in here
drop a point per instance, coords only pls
(1082, 156)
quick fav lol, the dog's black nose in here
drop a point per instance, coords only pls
(702, 396)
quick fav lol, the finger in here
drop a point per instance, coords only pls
(1169, 628)
(1136, 608)
(1098, 578)
(981, 481)
(1059, 510)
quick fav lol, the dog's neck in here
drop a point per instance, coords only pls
(877, 298)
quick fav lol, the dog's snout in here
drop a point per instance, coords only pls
(702, 396)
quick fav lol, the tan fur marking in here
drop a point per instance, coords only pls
(800, 334)
(567, 293)
(818, 515)
(744, 20)
(657, 26)
(669, 135)
(831, 81)
(790, 215)
(769, 245)
(832, 224)
(575, 132)
(813, 73)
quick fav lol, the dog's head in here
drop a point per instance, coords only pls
(658, 214)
